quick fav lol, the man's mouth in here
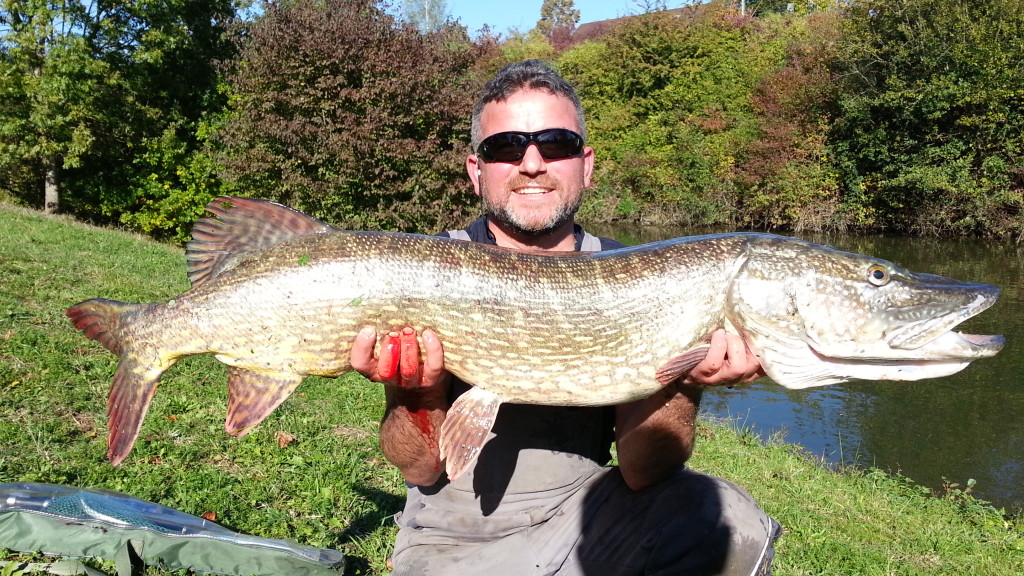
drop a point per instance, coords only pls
(531, 190)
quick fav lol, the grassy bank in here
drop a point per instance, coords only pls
(312, 471)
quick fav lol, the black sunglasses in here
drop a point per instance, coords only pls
(553, 144)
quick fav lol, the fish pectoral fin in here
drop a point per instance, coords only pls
(681, 365)
(252, 396)
(466, 428)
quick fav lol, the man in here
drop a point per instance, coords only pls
(540, 499)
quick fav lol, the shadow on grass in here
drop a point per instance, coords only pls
(385, 505)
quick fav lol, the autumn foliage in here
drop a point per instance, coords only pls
(344, 113)
(894, 115)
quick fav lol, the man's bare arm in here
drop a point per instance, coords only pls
(655, 436)
(416, 398)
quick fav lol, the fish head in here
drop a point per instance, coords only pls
(815, 316)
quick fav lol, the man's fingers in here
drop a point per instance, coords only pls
(433, 366)
(727, 362)
(745, 365)
(389, 358)
(399, 361)
(717, 351)
(736, 367)
(410, 358)
(361, 357)
(737, 348)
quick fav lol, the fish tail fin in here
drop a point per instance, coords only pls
(138, 372)
(99, 319)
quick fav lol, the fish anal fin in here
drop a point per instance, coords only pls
(239, 227)
(679, 366)
(466, 428)
(252, 396)
(130, 396)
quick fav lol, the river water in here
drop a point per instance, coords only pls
(953, 429)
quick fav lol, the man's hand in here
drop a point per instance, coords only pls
(399, 361)
(728, 362)
(416, 394)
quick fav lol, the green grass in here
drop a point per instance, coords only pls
(331, 487)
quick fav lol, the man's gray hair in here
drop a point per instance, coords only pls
(525, 75)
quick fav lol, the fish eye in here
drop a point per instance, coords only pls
(878, 275)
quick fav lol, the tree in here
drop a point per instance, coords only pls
(88, 85)
(784, 175)
(427, 15)
(555, 15)
(668, 103)
(345, 114)
(929, 125)
(651, 6)
(51, 88)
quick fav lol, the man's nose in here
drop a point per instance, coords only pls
(533, 162)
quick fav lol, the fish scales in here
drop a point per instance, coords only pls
(506, 319)
(278, 296)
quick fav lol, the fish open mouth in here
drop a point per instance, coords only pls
(960, 345)
(930, 333)
(923, 331)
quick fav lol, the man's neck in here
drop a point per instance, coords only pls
(561, 240)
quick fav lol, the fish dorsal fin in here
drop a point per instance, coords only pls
(240, 227)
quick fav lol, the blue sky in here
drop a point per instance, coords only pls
(522, 15)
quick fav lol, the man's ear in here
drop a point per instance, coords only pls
(473, 170)
(588, 166)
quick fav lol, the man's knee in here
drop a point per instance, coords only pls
(721, 525)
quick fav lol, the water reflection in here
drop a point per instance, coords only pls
(956, 428)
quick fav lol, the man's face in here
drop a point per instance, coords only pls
(533, 196)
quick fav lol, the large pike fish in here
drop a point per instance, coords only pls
(277, 296)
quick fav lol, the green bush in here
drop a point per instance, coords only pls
(929, 124)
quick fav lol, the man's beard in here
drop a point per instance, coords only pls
(507, 219)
